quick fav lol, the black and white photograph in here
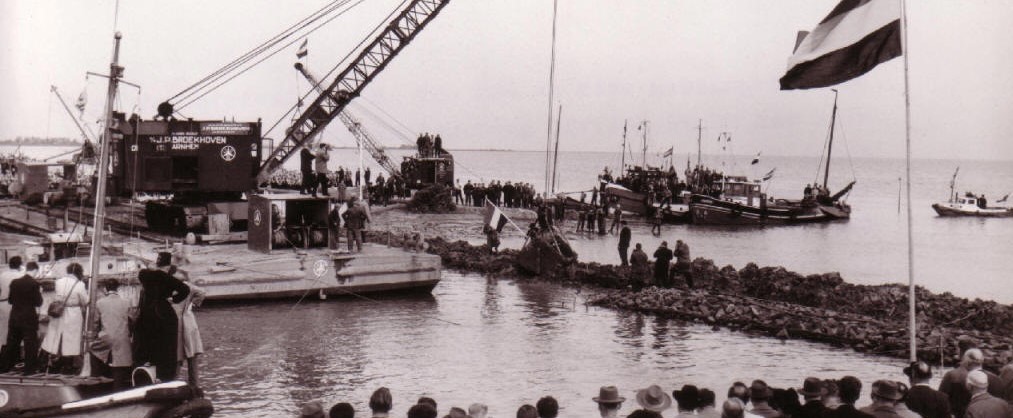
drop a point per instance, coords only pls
(489, 208)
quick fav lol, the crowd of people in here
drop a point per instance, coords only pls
(157, 330)
(964, 392)
(510, 194)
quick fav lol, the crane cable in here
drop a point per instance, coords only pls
(205, 84)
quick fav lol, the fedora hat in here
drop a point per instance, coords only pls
(918, 370)
(654, 399)
(687, 396)
(811, 387)
(608, 395)
(886, 389)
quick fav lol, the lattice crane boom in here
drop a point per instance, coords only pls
(355, 127)
(350, 82)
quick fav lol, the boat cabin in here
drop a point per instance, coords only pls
(740, 190)
(287, 221)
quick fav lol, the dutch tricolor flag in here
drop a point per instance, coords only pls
(494, 217)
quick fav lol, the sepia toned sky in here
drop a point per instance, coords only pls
(478, 75)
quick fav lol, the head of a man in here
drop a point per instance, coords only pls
(973, 359)
(381, 401)
(739, 391)
(14, 263)
(918, 372)
(478, 410)
(977, 382)
(759, 392)
(850, 388)
(733, 408)
(32, 269)
(547, 407)
(885, 392)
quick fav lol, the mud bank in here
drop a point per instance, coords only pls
(775, 302)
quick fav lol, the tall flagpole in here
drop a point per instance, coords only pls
(907, 159)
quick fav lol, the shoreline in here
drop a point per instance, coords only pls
(768, 301)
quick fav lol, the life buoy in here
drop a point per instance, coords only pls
(196, 408)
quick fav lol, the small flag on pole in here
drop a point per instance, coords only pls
(668, 153)
(756, 159)
(82, 100)
(1003, 200)
(770, 174)
(494, 217)
(853, 39)
(303, 51)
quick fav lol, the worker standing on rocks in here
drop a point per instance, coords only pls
(662, 257)
(624, 244)
(683, 265)
(639, 267)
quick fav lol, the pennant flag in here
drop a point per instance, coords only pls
(302, 52)
(853, 39)
(494, 217)
(82, 100)
(1003, 200)
(770, 174)
(756, 159)
(668, 153)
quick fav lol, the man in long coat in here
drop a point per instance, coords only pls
(662, 257)
(157, 324)
(25, 297)
(112, 356)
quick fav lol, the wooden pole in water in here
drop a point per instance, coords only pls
(907, 159)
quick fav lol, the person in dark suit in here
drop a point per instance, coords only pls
(662, 258)
(309, 179)
(624, 244)
(25, 297)
(812, 391)
(922, 398)
(850, 390)
(157, 324)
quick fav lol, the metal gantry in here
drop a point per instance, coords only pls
(350, 82)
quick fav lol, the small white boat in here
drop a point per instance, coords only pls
(968, 205)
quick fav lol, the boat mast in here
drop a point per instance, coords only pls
(622, 166)
(830, 143)
(699, 138)
(555, 153)
(644, 157)
(115, 72)
(552, 79)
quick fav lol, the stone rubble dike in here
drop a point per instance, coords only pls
(773, 301)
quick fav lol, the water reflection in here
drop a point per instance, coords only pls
(499, 342)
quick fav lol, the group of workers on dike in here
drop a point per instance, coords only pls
(967, 391)
(158, 330)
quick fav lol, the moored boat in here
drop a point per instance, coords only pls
(971, 205)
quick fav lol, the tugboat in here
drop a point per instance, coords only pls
(971, 205)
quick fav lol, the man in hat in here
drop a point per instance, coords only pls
(983, 404)
(320, 165)
(157, 323)
(609, 401)
(23, 325)
(759, 395)
(705, 407)
(922, 398)
(111, 353)
(812, 391)
(355, 221)
(653, 398)
(885, 396)
(952, 383)
(662, 258)
(687, 399)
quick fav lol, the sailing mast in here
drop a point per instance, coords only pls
(699, 137)
(830, 143)
(552, 79)
(644, 158)
(622, 166)
(115, 72)
(555, 156)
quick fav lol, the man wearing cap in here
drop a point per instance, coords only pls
(983, 404)
(355, 221)
(759, 394)
(921, 398)
(812, 392)
(885, 396)
(653, 398)
(157, 323)
(609, 401)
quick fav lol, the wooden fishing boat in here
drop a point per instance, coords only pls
(544, 252)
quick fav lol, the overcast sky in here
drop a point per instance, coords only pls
(479, 73)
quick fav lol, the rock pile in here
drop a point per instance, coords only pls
(782, 303)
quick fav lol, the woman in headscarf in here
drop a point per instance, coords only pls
(63, 336)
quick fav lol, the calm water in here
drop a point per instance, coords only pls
(505, 343)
